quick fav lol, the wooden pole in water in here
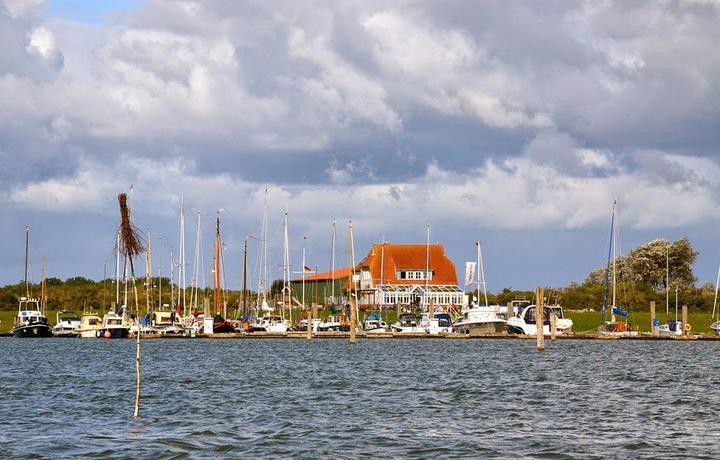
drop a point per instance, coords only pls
(510, 311)
(553, 326)
(353, 305)
(539, 319)
(309, 322)
(652, 318)
(685, 319)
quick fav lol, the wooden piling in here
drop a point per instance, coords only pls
(553, 323)
(509, 312)
(539, 319)
(685, 320)
(353, 319)
(309, 322)
(654, 329)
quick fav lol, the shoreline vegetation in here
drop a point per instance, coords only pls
(656, 271)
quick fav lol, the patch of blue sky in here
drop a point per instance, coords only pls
(90, 11)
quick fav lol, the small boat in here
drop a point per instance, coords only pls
(672, 327)
(90, 324)
(114, 326)
(165, 323)
(29, 321)
(407, 323)
(302, 325)
(334, 324)
(441, 323)
(524, 322)
(222, 326)
(481, 319)
(373, 324)
(270, 323)
(67, 324)
(612, 327)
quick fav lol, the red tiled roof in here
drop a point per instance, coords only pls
(325, 276)
(408, 257)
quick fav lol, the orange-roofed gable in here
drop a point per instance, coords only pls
(393, 258)
(326, 276)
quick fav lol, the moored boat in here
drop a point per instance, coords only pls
(407, 323)
(480, 319)
(373, 324)
(30, 320)
(67, 324)
(524, 322)
(114, 326)
(90, 324)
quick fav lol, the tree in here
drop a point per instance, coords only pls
(648, 263)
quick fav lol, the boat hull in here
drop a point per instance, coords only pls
(114, 333)
(490, 327)
(32, 330)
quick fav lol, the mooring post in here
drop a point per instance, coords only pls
(539, 333)
(653, 328)
(309, 316)
(353, 319)
(509, 311)
(553, 326)
(685, 320)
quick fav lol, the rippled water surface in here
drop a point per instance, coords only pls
(390, 398)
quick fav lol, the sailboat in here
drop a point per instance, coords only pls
(480, 319)
(613, 327)
(220, 324)
(114, 325)
(30, 320)
(715, 325)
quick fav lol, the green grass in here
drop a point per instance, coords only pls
(590, 320)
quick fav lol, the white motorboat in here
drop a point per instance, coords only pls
(302, 324)
(373, 324)
(270, 323)
(333, 323)
(524, 321)
(166, 323)
(67, 324)
(407, 323)
(481, 319)
(90, 324)
(114, 326)
(440, 323)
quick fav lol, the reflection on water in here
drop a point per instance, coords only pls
(327, 398)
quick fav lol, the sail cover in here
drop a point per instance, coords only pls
(619, 311)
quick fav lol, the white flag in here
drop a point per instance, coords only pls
(469, 272)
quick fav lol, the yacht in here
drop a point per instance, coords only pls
(270, 323)
(524, 321)
(440, 323)
(30, 322)
(481, 319)
(373, 324)
(90, 324)
(114, 326)
(67, 324)
(672, 327)
(334, 324)
(314, 324)
(166, 323)
(407, 323)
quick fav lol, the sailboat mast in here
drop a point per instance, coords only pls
(351, 293)
(148, 274)
(117, 271)
(332, 262)
(245, 254)
(216, 264)
(667, 279)
(481, 273)
(614, 261)
(427, 265)
(43, 295)
(717, 286)
(286, 266)
(477, 247)
(27, 245)
(194, 290)
(160, 276)
(181, 247)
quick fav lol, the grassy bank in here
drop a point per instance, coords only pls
(589, 321)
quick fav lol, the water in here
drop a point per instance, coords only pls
(389, 398)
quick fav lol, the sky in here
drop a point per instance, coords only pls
(516, 123)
